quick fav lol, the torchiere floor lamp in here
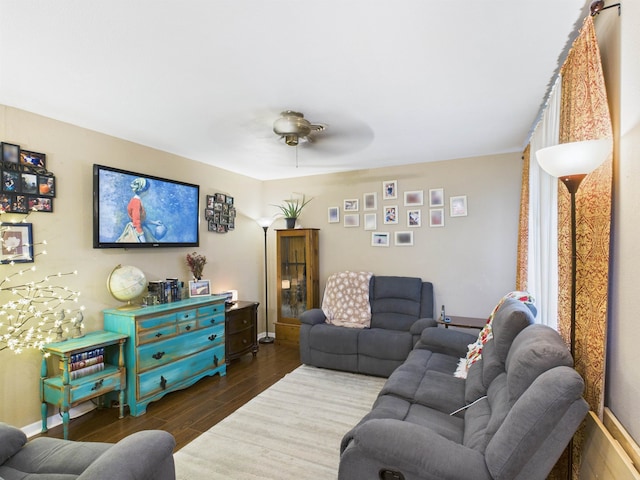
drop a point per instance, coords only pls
(265, 223)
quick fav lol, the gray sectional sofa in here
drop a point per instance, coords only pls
(145, 455)
(516, 411)
(401, 308)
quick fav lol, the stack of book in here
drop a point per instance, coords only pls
(166, 291)
(85, 363)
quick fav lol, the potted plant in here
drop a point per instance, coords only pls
(292, 208)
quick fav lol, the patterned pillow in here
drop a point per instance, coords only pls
(475, 349)
(346, 299)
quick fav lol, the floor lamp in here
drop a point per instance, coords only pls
(571, 162)
(265, 223)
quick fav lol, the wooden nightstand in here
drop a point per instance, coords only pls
(241, 321)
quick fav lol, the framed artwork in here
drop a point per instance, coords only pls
(210, 201)
(351, 205)
(370, 221)
(390, 215)
(199, 288)
(389, 189)
(436, 217)
(33, 159)
(17, 242)
(220, 213)
(436, 197)
(29, 183)
(404, 239)
(10, 152)
(351, 220)
(19, 204)
(333, 214)
(414, 198)
(370, 201)
(414, 218)
(458, 206)
(379, 239)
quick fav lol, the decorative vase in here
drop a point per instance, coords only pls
(291, 222)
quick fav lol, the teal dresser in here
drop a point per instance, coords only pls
(171, 346)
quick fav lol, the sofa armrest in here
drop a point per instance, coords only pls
(414, 450)
(12, 440)
(140, 456)
(420, 324)
(313, 316)
(446, 341)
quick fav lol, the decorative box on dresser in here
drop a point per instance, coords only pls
(171, 346)
(297, 283)
(241, 336)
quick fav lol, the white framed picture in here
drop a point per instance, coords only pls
(334, 215)
(199, 288)
(458, 206)
(414, 198)
(436, 217)
(389, 189)
(370, 201)
(370, 221)
(403, 239)
(351, 205)
(390, 215)
(379, 239)
(436, 197)
(351, 220)
(414, 218)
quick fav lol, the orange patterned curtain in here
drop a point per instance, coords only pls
(585, 116)
(523, 229)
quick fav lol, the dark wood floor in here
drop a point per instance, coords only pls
(189, 412)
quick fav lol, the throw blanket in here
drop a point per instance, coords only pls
(475, 349)
(346, 299)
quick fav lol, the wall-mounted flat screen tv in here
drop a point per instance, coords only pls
(135, 210)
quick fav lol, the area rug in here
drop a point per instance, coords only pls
(292, 430)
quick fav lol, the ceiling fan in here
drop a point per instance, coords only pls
(292, 126)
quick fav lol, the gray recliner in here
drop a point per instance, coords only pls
(401, 308)
(140, 456)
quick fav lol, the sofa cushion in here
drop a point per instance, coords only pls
(535, 350)
(11, 441)
(395, 302)
(334, 339)
(387, 344)
(346, 299)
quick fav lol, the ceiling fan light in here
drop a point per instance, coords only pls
(291, 140)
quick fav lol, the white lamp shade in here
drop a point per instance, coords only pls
(574, 158)
(265, 221)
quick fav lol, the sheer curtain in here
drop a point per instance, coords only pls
(542, 252)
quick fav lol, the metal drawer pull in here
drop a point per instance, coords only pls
(215, 360)
(159, 334)
(158, 355)
(163, 382)
(213, 320)
(188, 327)
(98, 384)
(212, 337)
(244, 341)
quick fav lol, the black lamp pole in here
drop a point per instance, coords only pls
(266, 338)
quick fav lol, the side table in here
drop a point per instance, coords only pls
(464, 322)
(241, 321)
(67, 389)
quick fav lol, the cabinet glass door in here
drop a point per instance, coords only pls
(293, 276)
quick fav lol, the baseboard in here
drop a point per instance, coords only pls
(55, 420)
(264, 334)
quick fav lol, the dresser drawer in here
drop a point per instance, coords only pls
(187, 315)
(210, 310)
(85, 388)
(155, 334)
(170, 376)
(156, 354)
(237, 342)
(207, 321)
(154, 322)
(239, 321)
(184, 327)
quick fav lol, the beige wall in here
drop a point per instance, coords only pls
(471, 261)
(619, 39)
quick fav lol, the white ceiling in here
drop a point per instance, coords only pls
(396, 82)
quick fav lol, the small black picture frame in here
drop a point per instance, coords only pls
(47, 185)
(17, 243)
(33, 159)
(29, 183)
(10, 153)
(19, 204)
(40, 204)
(11, 181)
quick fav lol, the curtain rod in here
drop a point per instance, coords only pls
(598, 5)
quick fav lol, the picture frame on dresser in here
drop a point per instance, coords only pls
(199, 288)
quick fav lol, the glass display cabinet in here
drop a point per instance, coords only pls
(297, 284)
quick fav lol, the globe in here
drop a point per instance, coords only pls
(126, 282)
